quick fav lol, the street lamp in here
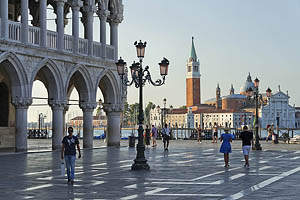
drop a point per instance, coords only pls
(257, 98)
(139, 78)
(163, 119)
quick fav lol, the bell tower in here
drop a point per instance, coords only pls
(193, 93)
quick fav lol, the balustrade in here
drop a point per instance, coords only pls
(14, 31)
(110, 52)
(83, 46)
(68, 43)
(97, 49)
(51, 39)
(34, 35)
(34, 39)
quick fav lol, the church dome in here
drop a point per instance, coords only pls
(248, 84)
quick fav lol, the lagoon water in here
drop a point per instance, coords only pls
(180, 134)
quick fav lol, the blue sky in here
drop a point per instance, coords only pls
(232, 38)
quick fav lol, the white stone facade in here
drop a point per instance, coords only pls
(277, 111)
(62, 62)
(228, 119)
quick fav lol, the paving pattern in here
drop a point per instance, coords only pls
(185, 172)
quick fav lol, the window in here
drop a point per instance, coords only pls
(189, 68)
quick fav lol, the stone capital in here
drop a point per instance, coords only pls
(89, 8)
(115, 18)
(60, 2)
(103, 14)
(109, 108)
(76, 4)
(21, 102)
(57, 104)
(88, 106)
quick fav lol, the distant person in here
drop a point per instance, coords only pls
(226, 139)
(68, 152)
(166, 134)
(199, 131)
(147, 136)
(154, 136)
(247, 137)
(215, 134)
(270, 130)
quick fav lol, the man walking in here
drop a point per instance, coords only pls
(154, 136)
(246, 137)
(166, 134)
(68, 152)
(199, 134)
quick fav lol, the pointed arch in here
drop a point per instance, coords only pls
(13, 68)
(109, 86)
(48, 72)
(80, 78)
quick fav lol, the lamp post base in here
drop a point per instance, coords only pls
(140, 165)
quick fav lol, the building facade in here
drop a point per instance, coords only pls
(278, 112)
(29, 52)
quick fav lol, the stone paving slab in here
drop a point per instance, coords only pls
(187, 171)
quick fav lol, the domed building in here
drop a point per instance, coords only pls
(248, 84)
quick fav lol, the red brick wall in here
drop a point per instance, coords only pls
(193, 97)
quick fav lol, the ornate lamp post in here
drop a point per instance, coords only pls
(139, 77)
(257, 98)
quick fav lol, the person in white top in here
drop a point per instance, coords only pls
(166, 134)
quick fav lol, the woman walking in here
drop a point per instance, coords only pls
(226, 138)
(147, 135)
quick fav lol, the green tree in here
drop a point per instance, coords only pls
(149, 106)
(182, 107)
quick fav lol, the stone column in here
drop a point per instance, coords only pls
(76, 4)
(4, 18)
(103, 14)
(60, 23)
(24, 21)
(89, 28)
(21, 106)
(114, 22)
(43, 23)
(113, 131)
(57, 122)
(88, 109)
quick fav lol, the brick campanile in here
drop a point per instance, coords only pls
(193, 90)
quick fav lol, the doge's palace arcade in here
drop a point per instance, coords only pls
(29, 52)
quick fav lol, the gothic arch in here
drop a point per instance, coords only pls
(48, 72)
(81, 80)
(13, 68)
(108, 84)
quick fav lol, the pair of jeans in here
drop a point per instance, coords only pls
(70, 165)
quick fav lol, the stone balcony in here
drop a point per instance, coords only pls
(14, 35)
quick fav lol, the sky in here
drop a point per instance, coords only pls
(232, 38)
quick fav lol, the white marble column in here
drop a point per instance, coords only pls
(57, 122)
(21, 106)
(103, 14)
(113, 131)
(4, 18)
(114, 22)
(24, 21)
(90, 9)
(75, 5)
(60, 23)
(88, 109)
(43, 23)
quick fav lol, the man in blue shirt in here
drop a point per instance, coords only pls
(68, 152)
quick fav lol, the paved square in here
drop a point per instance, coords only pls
(185, 172)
